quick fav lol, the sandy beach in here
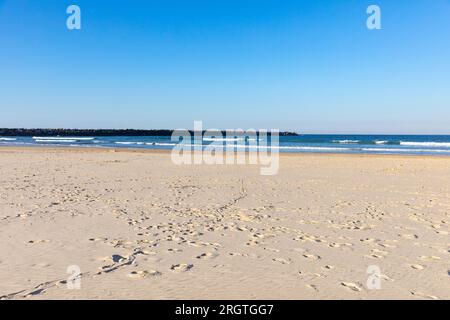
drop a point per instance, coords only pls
(140, 227)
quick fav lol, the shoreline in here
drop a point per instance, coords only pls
(167, 151)
(139, 226)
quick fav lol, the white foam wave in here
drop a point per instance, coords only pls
(346, 141)
(289, 147)
(425, 144)
(55, 141)
(130, 142)
(222, 139)
(63, 138)
(397, 150)
(8, 139)
(161, 144)
(380, 142)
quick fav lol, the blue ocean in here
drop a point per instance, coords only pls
(351, 144)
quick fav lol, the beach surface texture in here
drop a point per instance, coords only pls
(128, 224)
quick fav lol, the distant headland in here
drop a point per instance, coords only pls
(23, 132)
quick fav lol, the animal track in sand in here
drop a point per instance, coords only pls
(351, 286)
(183, 267)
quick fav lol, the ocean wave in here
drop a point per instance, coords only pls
(130, 142)
(288, 147)
(341, 149)
(63, 138)
(160, 144)
(397, 150)
(346, 141)
(425, 144)
(55, 141)
(222, 139)
(381, 142)
(8, 139)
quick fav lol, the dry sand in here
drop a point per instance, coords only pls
(140, 227)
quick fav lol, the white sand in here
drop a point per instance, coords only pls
(140, 227)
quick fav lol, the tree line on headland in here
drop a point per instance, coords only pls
(22, 132)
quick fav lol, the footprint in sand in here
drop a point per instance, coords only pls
(40, 265)
(385, 245)
(207, 255)
(312, 287)
(98, 239)
(252, 242)
(334, 245)
(429, 258)
(423, 295)
(148, 253)
(375, 256)
(234, 254)
(351, 286)
(38, 241)
(409, 236)
(143, 274)
(175, 250)
(282, 261)
(258, 235)
(382, 252)
(417, 266)
(311, 256)
(367, 240)
(311, 275)
(183, 267)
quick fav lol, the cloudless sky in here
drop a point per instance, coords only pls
(306, 65)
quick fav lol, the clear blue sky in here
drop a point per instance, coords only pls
(310, 66)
